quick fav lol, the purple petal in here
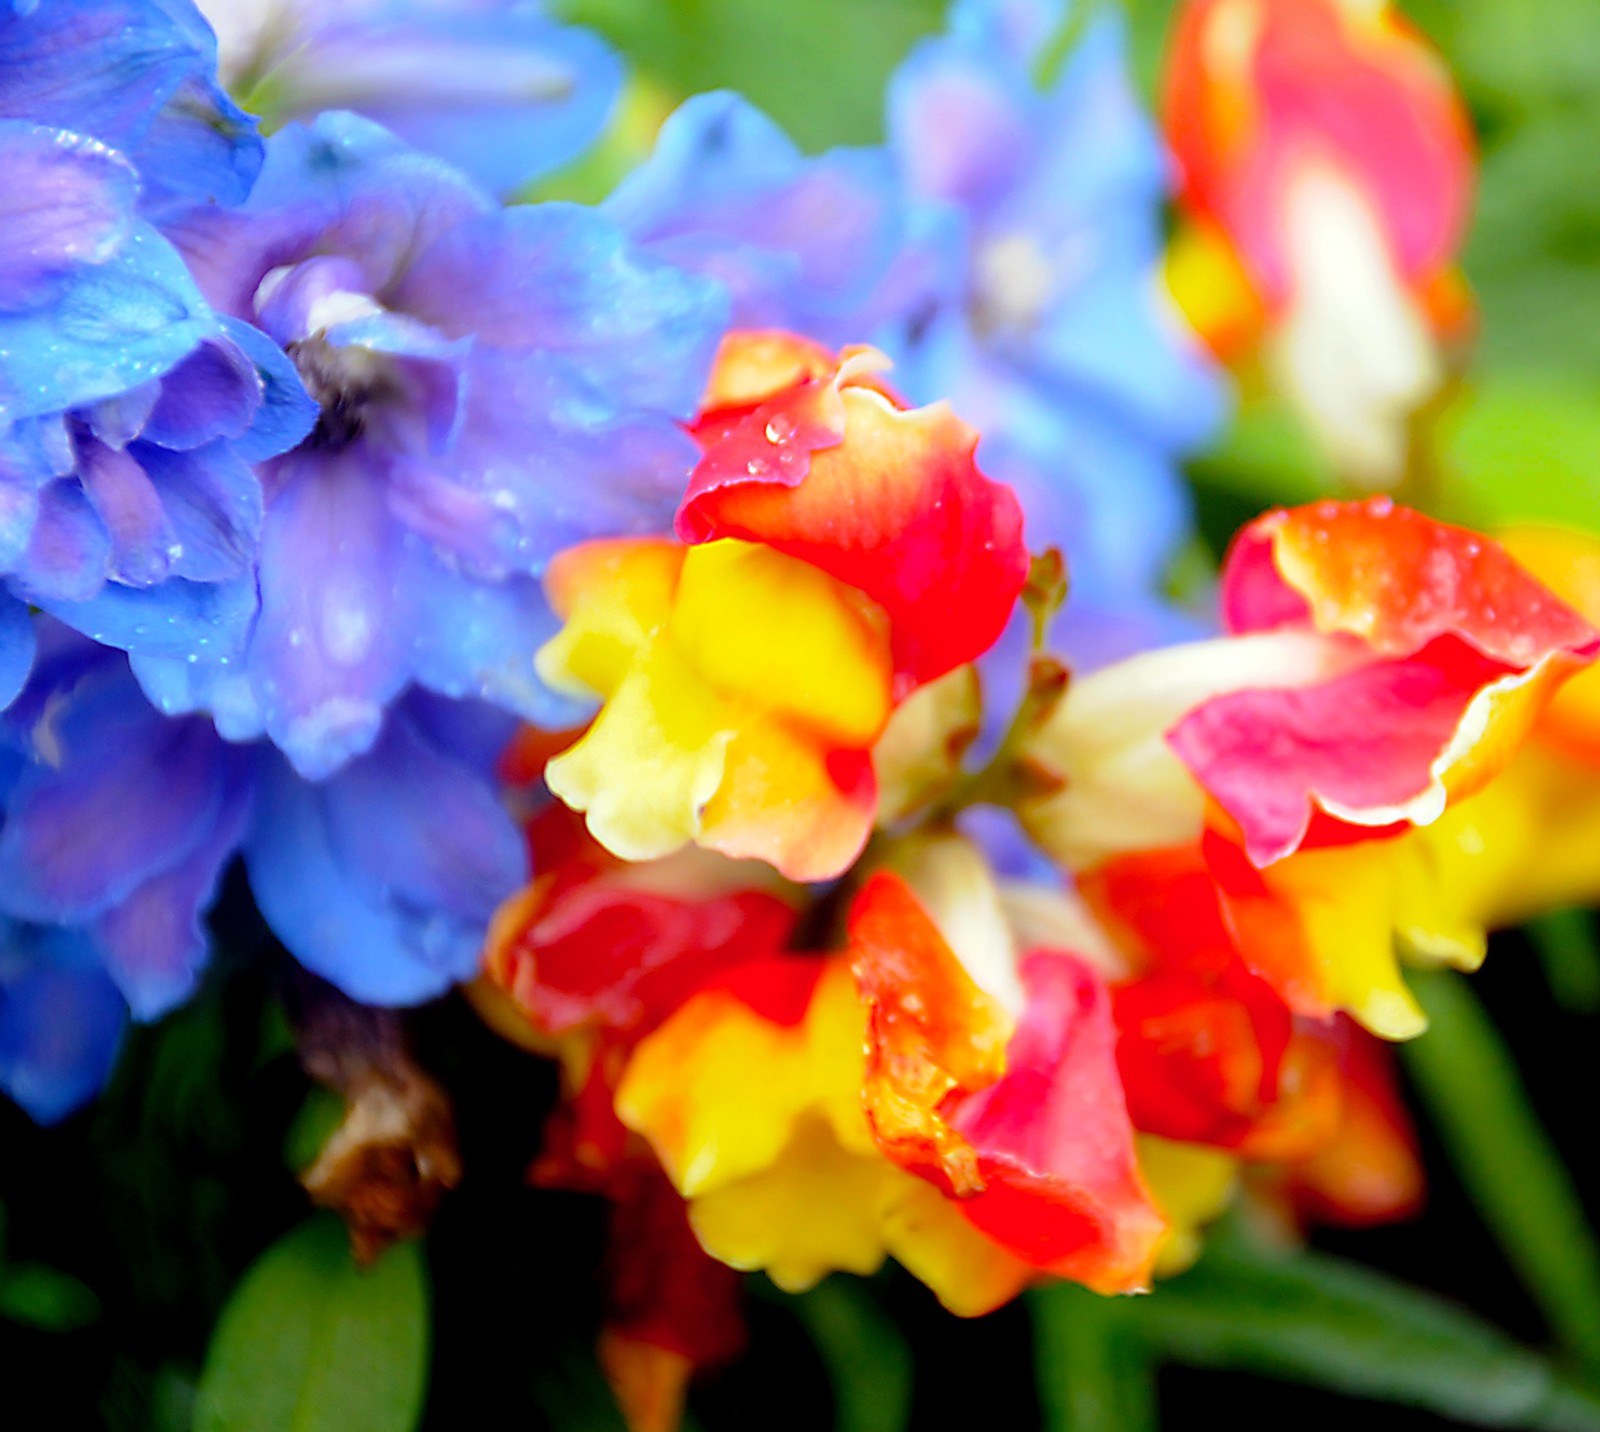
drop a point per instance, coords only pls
(328, 650)
(501, 92)
(213, 393)
(69, 552)
(143, 543)
(116, 794)
(154, 943)
(66, 200)
(212, 500)
(563, 280)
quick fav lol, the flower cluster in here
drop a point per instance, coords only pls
(652, 616)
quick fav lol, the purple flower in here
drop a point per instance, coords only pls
(494, 385)
(117, 824)
(129, 411)
(494, 86)
(813, 245)
(1047, 329)
(61, 1019)
(140, 77)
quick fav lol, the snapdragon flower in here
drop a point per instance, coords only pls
(1327, 180)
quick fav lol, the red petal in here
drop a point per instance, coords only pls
(1397, 580)
(890, 502)
(931, 1032)
(1054, 1143)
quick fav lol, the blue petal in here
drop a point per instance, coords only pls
(329, 647)
(499, 91)
(139, 75)
(476, 639)
(197, 625)
(61, 1020)
(16, 647)
(383, 879)
(66, 202)
(564, 281)
(287, 412)
(114, 325)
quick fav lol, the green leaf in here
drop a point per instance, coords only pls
(1571, 958)
(1469, 1083)
(867, 1357)
(43, 1298)
(1094, 1371)
(1309, 1318)
(309, 1342)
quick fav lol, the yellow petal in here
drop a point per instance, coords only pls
(652, 759)
(786, 637)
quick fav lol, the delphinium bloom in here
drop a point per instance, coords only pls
(494, 86)
(493, 385)
(1327, 175)
(1380, 668)
(117, 823)
(129, 411)
(1046, 325)
(1004, 251)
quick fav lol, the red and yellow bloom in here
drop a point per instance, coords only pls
(843, 551)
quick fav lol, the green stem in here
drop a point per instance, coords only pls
(1095, 1374)
(1511, 1170)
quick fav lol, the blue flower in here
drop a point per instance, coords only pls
(493, 86)
(382, 879)
(140, 77)
(805, 244)
(115, 821)
(61, 1019)
(494, 385)
(117, 824)
(130, 413)
(1048, 330)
